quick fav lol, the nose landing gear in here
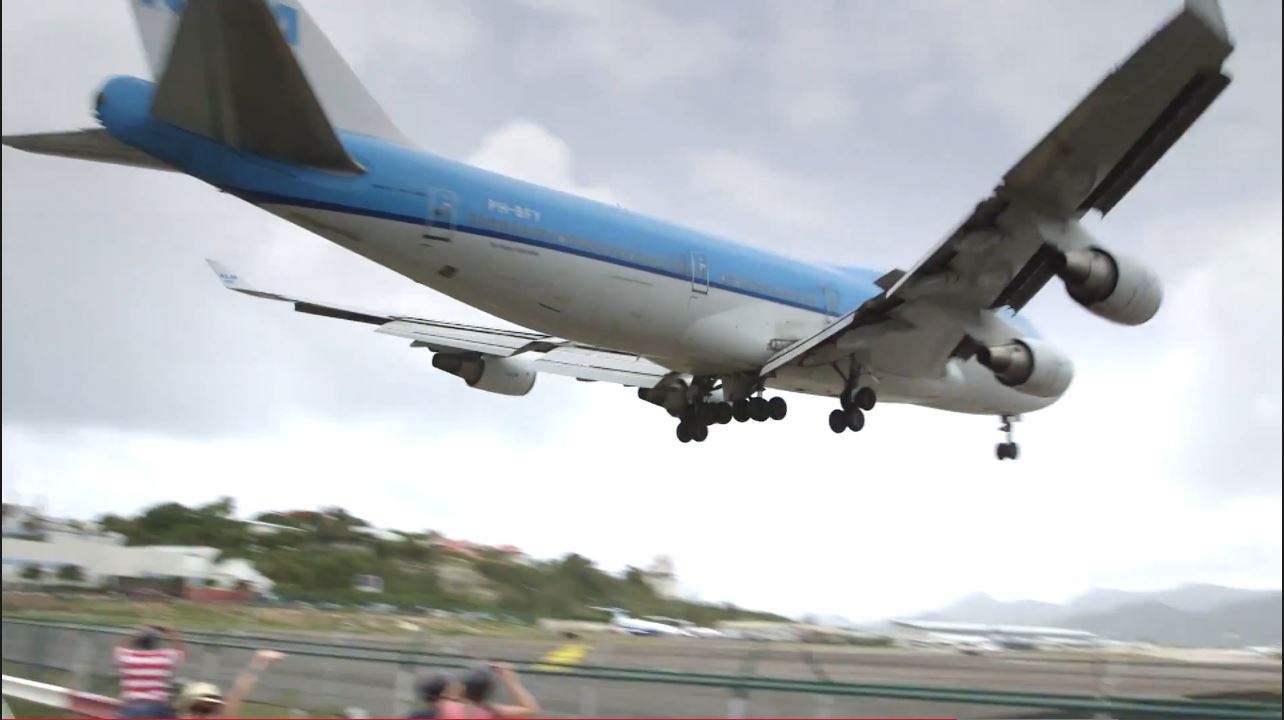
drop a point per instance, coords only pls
(1006, 450)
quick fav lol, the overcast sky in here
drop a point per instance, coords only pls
(857, 133)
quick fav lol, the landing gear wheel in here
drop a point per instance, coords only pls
(722, 413)
(740, 410)
(699, 433)
(758, 409)
(838, 421)
(684, 433)
(1006, 451)
(777, 408)
(855, 419)
(865, 399)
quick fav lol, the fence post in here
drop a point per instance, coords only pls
(403, 690)
(588, 700)
(81, 659)
(1105, 686)
(824, 705)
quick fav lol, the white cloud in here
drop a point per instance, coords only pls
(627, 47)
(526, 151)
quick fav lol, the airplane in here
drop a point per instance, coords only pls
(251, 98)
(690, 627)
(622, 623)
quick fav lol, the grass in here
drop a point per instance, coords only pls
(187, 615)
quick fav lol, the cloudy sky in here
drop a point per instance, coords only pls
(849, 132)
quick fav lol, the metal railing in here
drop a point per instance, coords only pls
(386, 677)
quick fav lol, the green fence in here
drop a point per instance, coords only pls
(402, 663)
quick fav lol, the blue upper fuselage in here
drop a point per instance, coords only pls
(399, 182)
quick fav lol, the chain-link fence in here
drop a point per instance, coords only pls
(323, 678)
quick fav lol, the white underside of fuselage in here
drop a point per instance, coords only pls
(674, 322)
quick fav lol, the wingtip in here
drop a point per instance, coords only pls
(1210, 12)
(229, 279)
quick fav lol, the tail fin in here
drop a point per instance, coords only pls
(343, 98)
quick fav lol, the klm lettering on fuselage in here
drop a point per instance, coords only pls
(286, 17)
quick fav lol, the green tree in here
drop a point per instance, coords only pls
(34, 573)
(71, 573)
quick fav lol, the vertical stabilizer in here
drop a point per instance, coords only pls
(342, 96)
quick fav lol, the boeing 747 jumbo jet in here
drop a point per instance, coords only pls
(250, 97)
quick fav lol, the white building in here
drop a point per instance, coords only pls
(101, 563)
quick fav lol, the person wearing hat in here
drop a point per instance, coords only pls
(476, 690)
(431, 690)
(204, 700)
(146, 671)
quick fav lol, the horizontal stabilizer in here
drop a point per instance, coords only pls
(232, 77)
(93, 144)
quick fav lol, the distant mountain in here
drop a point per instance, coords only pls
(981, 608)
(1191, 598)
(1246, 622)
(1205, 615)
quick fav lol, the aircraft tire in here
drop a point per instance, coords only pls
(722, 413)
(758, 409)
(865, 399)
(684, 434)
(740, 410)
(855, 419)
(700, 433)
(838, 421)
(777, 408)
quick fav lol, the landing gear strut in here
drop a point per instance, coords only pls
(855, 402)
(1006, 450)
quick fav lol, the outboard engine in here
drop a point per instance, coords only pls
(1116, 288)
(503, 376)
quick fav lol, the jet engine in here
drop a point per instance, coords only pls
(504, 376)
(1110, 286)
(672, 397)
(1030, 366)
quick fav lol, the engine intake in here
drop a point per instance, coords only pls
(1029, 366)
(1116, 288)
(503, 376)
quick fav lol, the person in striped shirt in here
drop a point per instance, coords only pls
(147, 672)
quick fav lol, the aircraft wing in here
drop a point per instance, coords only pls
(549, 354)
(1004, 253)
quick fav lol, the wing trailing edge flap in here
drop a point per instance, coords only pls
(547, 353)
(231, 77)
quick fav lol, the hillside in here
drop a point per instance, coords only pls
(318, 560)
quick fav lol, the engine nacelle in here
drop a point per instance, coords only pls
(1030, 366)
(670, 397)
(1116, 288)
(504, 376)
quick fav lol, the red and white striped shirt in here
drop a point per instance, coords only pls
(146, 674)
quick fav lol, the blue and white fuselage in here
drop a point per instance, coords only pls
(558, 263)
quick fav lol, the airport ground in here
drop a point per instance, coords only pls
(319, 684)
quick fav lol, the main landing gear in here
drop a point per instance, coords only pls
(1006, 450)
(697, 417)
(854, 406)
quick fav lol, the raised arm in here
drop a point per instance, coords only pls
(246, 681)
(175, 640)
(526, 704)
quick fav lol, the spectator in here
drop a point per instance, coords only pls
(147, 670)
(478, 686)
(203, 700)
(431, 691)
